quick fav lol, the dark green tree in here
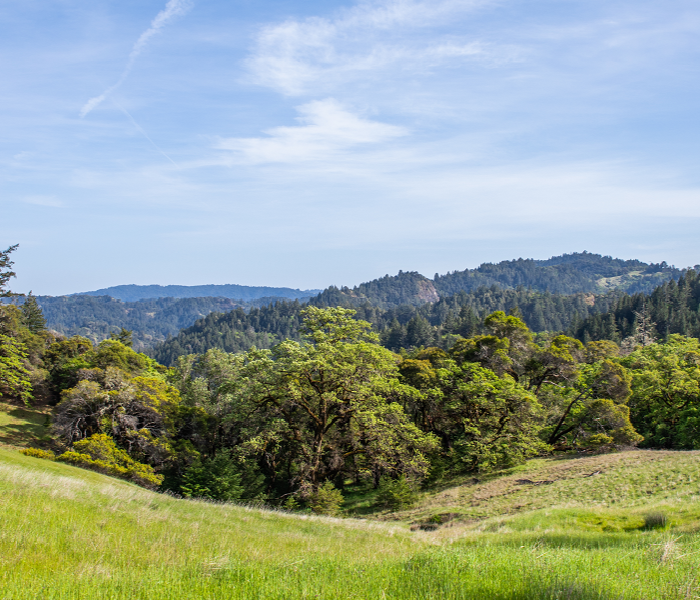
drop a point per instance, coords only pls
(6, 272)
(125, 336)
(32, 315)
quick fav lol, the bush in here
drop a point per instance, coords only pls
(598, 440)
(395, 494)
(215, 478)
(327, 500)
(100, 453)
(38, 453)
(655, 520)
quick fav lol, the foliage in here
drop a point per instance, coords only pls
(306, 413)
(326, 500)
(665, 398)
(437, 323)
(125, 336)
(215, 478)
(32, 316)
(670, 308)
(39, 453)
(395, 494)
(100, 453)
(566, 274)
(139, 413)
(5, 271)
(15, 379)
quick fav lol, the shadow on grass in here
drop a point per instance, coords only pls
(25, 427)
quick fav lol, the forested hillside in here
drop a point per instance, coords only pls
(150, 321)
(566, 274)
(673, 307)
(244, 293)
(538, 288)
(404, 326)
(670, 308)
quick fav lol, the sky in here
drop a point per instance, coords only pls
(306, 143)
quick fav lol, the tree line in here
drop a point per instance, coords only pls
(332, 408)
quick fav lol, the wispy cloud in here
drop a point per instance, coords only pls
(326, 129)
(294, 55)
(172, 9)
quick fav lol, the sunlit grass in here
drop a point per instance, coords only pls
(621, 480)
(68, 533)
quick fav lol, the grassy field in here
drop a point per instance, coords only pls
(69, 533)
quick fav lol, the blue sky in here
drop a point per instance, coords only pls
(303, 144)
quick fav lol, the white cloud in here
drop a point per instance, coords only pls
(297, 55)
(326, 129)
(172, 9)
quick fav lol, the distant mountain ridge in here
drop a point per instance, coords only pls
(134, 293)
(579, 272)
(553, 294)
(565, 274)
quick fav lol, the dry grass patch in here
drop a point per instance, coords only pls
(625, 479)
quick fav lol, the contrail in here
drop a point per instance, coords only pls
(121, 108)
(172, 9)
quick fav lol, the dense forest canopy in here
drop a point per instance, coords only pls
(400, 327)
(566, 274)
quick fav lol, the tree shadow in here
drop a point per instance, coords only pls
(26, 427)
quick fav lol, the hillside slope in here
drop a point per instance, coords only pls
(74, 534)
(565, 274)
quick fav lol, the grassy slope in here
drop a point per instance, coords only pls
(69, 533)
(629, 481)
(22, 426)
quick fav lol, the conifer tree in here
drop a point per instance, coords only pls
(32, 315)
(5, 272)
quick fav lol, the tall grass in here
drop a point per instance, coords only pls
(68, 533)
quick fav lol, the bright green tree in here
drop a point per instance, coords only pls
(665, 400)
(324, 409)
(15, 380)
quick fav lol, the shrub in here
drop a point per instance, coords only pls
(395, 494)
(327, 500)
(655, 520)
(215, 478)
(598, 440)
(38, 453)
(100, 453)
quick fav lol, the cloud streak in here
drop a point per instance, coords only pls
(173, 8)
(295, 55)
(326, 129)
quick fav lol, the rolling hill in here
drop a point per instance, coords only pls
(75, 534)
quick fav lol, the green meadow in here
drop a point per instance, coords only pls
(629, 531)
